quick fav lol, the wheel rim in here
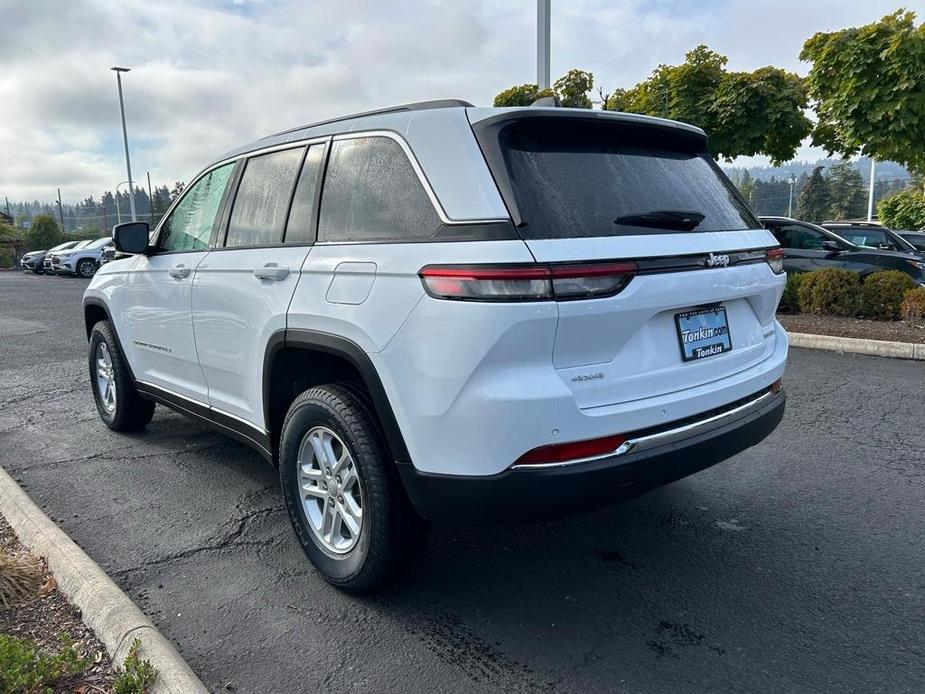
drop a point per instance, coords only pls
(330, 490)
(86, 269)
(105, 378)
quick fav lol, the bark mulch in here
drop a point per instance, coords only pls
(43, 618)
(893, 331)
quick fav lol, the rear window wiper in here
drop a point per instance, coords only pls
(684, 220)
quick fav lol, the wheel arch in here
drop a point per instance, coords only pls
(333, 358)
(96, 310)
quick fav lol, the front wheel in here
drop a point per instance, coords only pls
(343, 494)
(120, 406)
(86, 268)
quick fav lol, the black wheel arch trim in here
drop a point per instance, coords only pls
(353, 354)
(99, 303)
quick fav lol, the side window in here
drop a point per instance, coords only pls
(371, 193)
(299, 228)
(189, 226)
(873, 238)
(801, 238)
(262, 200)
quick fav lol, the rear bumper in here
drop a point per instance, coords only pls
(547, 492)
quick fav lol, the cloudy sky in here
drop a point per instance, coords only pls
(209, 75)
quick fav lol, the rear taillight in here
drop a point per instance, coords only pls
(775, 258)
(527, 282)
(559, 453)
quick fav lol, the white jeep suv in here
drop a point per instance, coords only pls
(441, 312)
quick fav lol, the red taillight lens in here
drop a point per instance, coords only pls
(775, 258)
(526, 282)
(777, 386)
(570, 452)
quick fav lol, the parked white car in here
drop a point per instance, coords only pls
(441, 312)
(82, 260)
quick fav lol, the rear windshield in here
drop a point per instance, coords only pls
(573, 178)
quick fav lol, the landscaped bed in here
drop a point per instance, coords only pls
(44, 646)
(839, 326)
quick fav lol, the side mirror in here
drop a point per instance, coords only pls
(831, 246)
(131, 237)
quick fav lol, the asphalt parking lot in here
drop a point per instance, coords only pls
(796, 566)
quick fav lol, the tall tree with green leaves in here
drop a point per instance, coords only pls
(573, 89)
(847, 191)
(815, 199)
(43, 233)
(744, 113)
(867, 85)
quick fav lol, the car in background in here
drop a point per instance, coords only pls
(82, 260)
(870, 235)
(110, 253)
(35, 260)
(916, 238)
(48, 263)
(809, 247)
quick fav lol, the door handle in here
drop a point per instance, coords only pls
(179, 272)
(271, 271)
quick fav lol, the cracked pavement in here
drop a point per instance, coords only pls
(797, 566)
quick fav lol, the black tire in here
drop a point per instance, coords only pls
(131, 411)
(391, 532)
(85, 268)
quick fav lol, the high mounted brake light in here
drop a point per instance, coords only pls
(527, 282)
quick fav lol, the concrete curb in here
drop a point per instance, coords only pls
(853, 345)
(111, 614)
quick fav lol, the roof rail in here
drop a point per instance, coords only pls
(416, 106)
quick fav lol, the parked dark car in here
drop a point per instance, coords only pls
(916, 238)
(871, 235)
(809, 247)
(35, 260)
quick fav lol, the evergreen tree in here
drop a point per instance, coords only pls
(815, 199)
(849, 200)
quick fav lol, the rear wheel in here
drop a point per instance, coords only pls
(117, 400)
(343, 494)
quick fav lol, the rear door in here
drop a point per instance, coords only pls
(242, 290)
(591, 189)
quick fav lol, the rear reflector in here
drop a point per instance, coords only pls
(570, 452)
(527, 282)
(775, 258)
(777, 386)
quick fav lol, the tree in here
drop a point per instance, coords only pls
(573, 88)
(43, 233)
(177, 189)
(867, 84)
(744, 113)
(904, 210)
(815, 199)
(846, 188)
(520, 95)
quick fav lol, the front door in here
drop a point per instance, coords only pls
(243, 288)
(154, 306)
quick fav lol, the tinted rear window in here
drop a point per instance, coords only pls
(573, 178)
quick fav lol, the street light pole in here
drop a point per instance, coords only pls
(793, 182)
(128, 165)
(119, 209)
(542, 44)
(870, 198)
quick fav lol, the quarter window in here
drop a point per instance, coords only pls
(372, 193)
(800, 238)
(189, 226)
(262, 201)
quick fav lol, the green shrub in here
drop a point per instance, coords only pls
(24, 668)
(905, 210)
(882, 294)
(913, 306)
(791, 297)
(136, 675)
(830, 291)
(6, 257)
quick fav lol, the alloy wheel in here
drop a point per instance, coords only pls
(329, 486)
(105, 378)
